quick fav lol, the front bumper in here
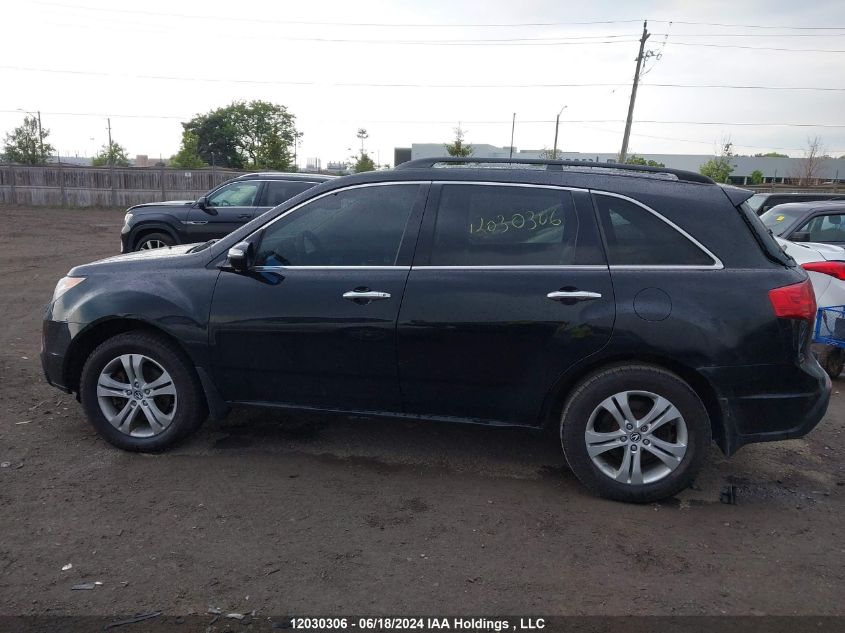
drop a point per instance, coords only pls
(766, 403)
(55, 341)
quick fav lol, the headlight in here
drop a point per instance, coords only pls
(65, 284)
(127, 219)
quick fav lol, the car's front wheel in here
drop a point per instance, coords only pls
(154, 240)
(634, 433)
(141, 393)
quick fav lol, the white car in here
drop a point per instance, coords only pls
(825, 263)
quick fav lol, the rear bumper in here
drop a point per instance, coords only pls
(766, 403)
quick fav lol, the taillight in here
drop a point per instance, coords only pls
(796, 301)
(832, 268)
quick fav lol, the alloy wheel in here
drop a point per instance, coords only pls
(136, 395)
(636, 437)
(151, 244)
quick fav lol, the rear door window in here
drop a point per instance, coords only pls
(488, 225)
(278, 191)
(637, 237)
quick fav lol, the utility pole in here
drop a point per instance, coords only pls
(110, 152)
(513, 126)
(623, 154)
(40, 136)
(111, 169)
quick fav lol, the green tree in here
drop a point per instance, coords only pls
(771, 155)
(111, 154)
(188, 156)
(720, 167)
(26, 146)
(457, 147)
(633, 159)
(251, 135)
(756, 177)
(364, 163)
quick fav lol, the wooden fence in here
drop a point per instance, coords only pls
(72, 186)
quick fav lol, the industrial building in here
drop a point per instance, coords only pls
(774, 169)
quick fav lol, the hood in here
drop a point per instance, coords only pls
(162, 255)
(155, 253)
(168, 203)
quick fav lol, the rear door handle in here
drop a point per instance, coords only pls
(244, 216)
(366, 295)
(573, 295)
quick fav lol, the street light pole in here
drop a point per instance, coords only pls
(513, 127)
(557, 126)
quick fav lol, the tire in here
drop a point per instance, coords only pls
(832, 360)
(668, 454)
(142, 420)
(154, 240)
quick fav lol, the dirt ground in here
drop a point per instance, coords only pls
(325, 516)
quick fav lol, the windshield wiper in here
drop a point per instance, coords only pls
(203, 246)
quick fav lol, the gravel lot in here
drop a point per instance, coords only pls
(325, 516)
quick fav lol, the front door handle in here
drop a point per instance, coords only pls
(573, 295)
(244, 216)
(365, 296)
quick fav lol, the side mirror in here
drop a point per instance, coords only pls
(202, 204)
(240, 256)
(800, 236)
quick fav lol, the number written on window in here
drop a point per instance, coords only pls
(520, 221)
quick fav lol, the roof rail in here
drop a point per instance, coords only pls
(554, 165)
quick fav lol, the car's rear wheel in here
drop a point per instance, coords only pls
(154, 240)
(634, 433)
(141, 393)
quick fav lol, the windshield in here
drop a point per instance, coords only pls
(778, 219)
(756, 201)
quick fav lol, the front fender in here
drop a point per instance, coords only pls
(172, 228)
(176, 304)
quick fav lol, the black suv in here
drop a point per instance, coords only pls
(808, 222)
(639, 312)
(762, 202)
(217, 213)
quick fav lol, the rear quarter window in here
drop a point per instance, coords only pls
(635, 236)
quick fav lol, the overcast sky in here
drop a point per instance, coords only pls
(151, 65)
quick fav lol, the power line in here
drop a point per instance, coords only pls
(478, 122)
(193, 16)
(769, 35)
(753, 26)
(414, 85)
(105, 115)
(759, 48)
(230, 18)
